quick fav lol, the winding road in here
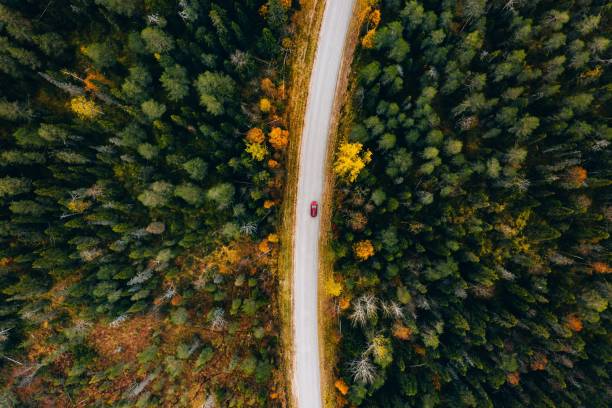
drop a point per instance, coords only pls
(311, 179)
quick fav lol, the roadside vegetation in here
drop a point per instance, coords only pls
(141, 169)
(472, 209)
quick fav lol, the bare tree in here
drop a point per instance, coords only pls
(239, 59)
(169, 294)
(96, 191)
(512, 4)
(559, 259)
(363, 370)
(28, 374)
(117, 322)
(153, 19)
(186, 12)
(136, 389)
(3, 334)
(141, 277)
(369, 303)
(364, 308)
(392, 310)
(211, 402)
(71, 89)
(248, 228)
(218, 321)
(358, 317)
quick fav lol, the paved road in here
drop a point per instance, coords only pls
(313, 152)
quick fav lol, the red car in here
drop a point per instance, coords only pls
(314, 208)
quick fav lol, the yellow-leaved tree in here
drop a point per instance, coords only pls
(78, 206)
(256, 150)
(84, 108)
(350, 160)
(333, 287)
(265, 105)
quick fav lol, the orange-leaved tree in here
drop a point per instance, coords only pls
(363, 249)
(513, 378)
(575, 177)
(375, 18)
(278, 138)
(401, 332)
(574, 323)
(255, 135)
(341, 386)
(539, 362)
(601, 267)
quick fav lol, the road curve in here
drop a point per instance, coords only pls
(311, 178)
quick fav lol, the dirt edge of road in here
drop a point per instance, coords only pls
(307, 25)
(328, 306)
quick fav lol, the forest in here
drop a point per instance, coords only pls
(472, 210)
(141, 168)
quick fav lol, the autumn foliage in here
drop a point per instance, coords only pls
(601, 268)
(333, 287)
(575, 176)
(402, 332)
(375, 18)
(265, 105)
(257, 151)
(269, 204)
(255, 135)
(513, 378)
(539, 362)
(350, 160)
(267, 86)
(84, 108)
(123, 341)
(363, 249)
(368, 40)
(574, 323)
(278, 138)
(93, 79)
(78, 206)
(341, 386)
(344, 303)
